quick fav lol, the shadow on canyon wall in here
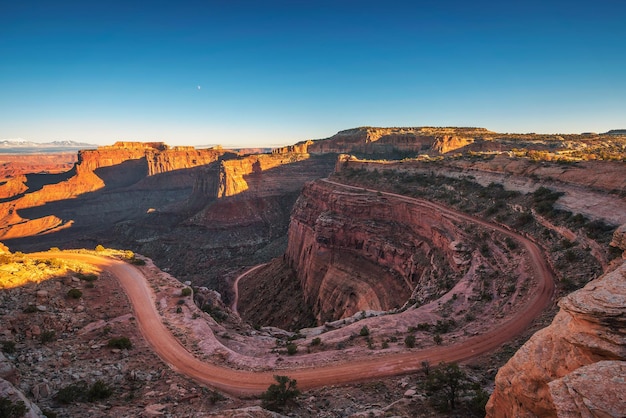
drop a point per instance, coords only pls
(176, 219)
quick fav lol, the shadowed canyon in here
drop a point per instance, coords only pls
(377, 253)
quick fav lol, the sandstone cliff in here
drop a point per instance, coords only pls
(391, 141)
(105, 169)
(354, 252)
(237, 214)
(575, 367)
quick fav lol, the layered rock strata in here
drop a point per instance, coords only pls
(358, 251)
(576, 366)
(368, 140)
(143, 166)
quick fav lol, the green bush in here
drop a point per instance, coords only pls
(8, 347)
(30, 309)
(365, 331)
(71, 393)
(88, 277)
(409, 341)
(74, 294)
(445, 385)
(316, 341)
(120, 342)
(185, 292)
(137, 261)
(99, 390)
(48, 336)
(292, 349)
(10, 409)
(276, 397)
(81, 392)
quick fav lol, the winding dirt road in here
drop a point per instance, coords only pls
(233, 307)
(245, 383)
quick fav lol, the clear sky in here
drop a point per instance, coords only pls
(267, 73)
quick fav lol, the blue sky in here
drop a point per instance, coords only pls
(267, 73)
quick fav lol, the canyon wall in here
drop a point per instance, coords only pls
(356, 251)
(42, 204)
(576, 366)
(369, 140)
(237, 214)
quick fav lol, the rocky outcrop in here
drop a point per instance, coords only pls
(356, 251)
(237, 214)
(8, 391)
(143, 166)
(575, 367)
(389, 141)
(619, 238)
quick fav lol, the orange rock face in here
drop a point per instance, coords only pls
(121, 165)
(575, 367)
(390, 140)
(354, 252)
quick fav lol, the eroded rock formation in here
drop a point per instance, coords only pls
(122, 165)
(575, 367)
(368, 140)
(354, 252)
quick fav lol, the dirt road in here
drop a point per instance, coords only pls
(244, 383)
(233, 307)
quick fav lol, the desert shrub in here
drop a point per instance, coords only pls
(510, 243)
(316, 341)
(365, 331)
(8, 347)
(30, 309)
(71, 393)
(99, 390)
(185, 292)
(215, 312)
(409, 341)
(442, 327)
(88, 277)
(523, 219)
(444, 385)
(215, 397)
(74, 294)
(120, 342)
(10, 409)
(277, 395)
(423, 326)
(48, 413)
(292, 349)
(100, 248)
(437, 339)
(48, 336)
(81, 392)
(137, 261)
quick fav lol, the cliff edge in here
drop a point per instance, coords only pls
(576, 366)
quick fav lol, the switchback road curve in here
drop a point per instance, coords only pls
(247, 383)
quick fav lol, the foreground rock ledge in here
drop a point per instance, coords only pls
(576, 366)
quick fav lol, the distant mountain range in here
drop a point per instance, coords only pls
(19, 146)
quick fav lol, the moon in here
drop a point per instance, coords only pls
(199, 87)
